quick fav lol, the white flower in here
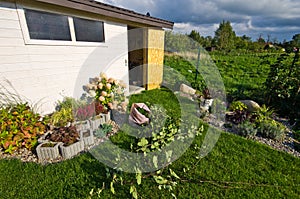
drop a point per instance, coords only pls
(92, 93)
(89, 86)
(101, 98)
(100, 85)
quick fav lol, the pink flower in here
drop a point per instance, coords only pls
(101, 99)
(103, 93)
(108, 86)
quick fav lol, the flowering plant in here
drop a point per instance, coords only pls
(108, 92)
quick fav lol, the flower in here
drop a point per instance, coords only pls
(90, 86)
(111, 80)
(103, 76)
(100, 85)
(103, 93)
(108, 92)
(116, 82)
(108, 86)
(92, 93)
(101, 99)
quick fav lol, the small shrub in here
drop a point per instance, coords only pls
(237, 106)
(67, 135)
(20, 127)
(264, 113)
(240, 113)
(62, 117)
(85, 112)
(103, 131)
(246, 129)
(271, 129)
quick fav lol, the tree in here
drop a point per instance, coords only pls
(196, 36)
(225, 36)
(242, 42)
(296, 40)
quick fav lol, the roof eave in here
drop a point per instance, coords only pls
(111, 11)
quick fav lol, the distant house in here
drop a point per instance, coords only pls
(50, 48)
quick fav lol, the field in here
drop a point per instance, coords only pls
(243, 75)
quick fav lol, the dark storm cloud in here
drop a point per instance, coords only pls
(247, 16)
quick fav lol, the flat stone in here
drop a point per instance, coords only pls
(187, 89)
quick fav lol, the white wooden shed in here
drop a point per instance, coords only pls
(49, 48)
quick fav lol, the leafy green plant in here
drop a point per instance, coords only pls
(20, 127)
(240, 113)
(283, 85)
(246, 129)
(103, 131)
(271, 129)
(237, 106)
(62, 117)
(264, 113)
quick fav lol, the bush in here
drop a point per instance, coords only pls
(20, 127)
(271, 129)
(246, 129)
(240, 113)
(237, 106)
(62, 117)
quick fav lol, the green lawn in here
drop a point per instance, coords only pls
(236, 168)
(243, 75)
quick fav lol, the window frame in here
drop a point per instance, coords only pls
(73, 42)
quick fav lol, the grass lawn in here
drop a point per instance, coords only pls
(236, 168)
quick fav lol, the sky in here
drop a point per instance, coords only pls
(277, 20)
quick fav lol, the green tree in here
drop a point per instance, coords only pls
(196, 36)
(225, 36)
(296, 40)
(242, 42)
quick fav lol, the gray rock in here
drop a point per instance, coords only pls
(187, 89)
(251, 105)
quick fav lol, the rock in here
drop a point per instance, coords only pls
(187, 89)
(251, 105)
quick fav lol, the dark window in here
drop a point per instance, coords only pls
(47, 26)
(88, 30)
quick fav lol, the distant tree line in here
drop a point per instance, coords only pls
(226, 40)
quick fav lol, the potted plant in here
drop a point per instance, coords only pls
(83, 114)
(48, 151)
(71, 143)
(102, 116)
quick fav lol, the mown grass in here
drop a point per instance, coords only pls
(235, 168)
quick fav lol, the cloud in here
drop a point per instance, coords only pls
(248, 17)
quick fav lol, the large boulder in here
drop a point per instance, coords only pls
(251, 105)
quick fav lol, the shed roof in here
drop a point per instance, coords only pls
(111, 11)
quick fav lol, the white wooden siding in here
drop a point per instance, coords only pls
(43, 74)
